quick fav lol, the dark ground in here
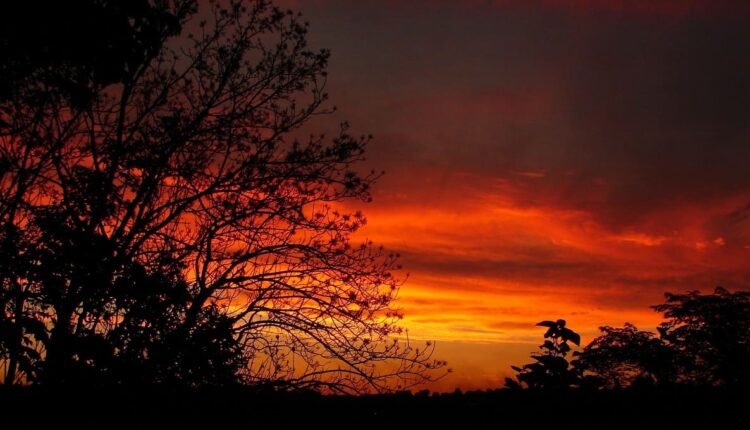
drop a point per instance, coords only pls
(236, 408)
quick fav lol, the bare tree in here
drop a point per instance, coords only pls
(182, 185)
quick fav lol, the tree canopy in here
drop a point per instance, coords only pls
(166, 220)
(710, 333)
(623, 356)
(703, 341)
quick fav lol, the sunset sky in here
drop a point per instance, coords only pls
(545, 159)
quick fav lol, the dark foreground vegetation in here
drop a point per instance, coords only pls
(241, 407)
(169, 239)
(704, 341)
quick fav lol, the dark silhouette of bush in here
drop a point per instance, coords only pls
(551, 369)
(704, 341)
(623, 356)
(710, 335)
(140, 336)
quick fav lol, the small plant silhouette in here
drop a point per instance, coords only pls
(551, 368)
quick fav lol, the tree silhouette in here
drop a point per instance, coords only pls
(174, 226)
(551, 369)
(75, 47)
(710, 333)
(147, 343)
(623, 356)
(704, 341)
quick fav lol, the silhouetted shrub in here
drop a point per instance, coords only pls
(551, 369)
(710, 334)
(621, 356)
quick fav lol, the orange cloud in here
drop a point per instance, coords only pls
(485, 264)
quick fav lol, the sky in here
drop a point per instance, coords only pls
(545, 159)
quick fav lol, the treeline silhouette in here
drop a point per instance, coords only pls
(704, 341)
(648, 407)
(690, 374)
